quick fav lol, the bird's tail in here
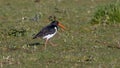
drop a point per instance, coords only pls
(34, 37)
(37, 35)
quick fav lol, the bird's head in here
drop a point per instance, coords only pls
(56, 23)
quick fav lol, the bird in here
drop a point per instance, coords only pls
(49, 31)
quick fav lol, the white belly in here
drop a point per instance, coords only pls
(50, 35)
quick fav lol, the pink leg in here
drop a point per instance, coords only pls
(52, 43)
(46, 41)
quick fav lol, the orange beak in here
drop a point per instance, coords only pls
(63, 27)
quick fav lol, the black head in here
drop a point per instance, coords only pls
(54, 23)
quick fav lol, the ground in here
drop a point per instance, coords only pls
(81, 45)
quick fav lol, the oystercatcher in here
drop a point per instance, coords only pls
(49, 31)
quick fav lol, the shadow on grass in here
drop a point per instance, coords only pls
(27, 49)
(35, 44)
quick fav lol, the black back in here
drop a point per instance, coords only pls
(50, 29)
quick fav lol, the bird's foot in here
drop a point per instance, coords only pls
(54, 45)
(43, 48)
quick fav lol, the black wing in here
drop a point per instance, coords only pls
(45, 31)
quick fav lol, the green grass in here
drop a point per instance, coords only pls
(107, 14)
(82, 45)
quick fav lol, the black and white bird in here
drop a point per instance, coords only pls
(49, 31)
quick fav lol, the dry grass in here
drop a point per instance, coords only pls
(82, 45)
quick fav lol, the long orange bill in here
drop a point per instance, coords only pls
(63, 27)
